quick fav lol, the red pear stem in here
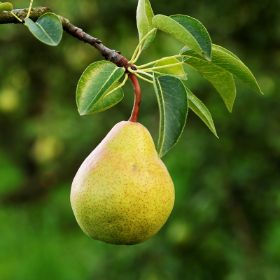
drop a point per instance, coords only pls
(137, 98)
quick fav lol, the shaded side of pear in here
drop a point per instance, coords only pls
(123, 193)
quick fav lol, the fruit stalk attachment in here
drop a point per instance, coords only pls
(137, 98)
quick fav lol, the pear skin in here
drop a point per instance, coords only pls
(122, 192)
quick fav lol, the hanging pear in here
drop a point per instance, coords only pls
(123, 193)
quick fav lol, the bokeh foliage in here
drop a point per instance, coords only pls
(225, 224)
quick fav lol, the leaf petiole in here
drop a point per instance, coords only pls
(152, 69)
(20, 20)
(29, 9)
(140, 74)
(145, 73)
(139, 47)
(160, 60)
(143, 78)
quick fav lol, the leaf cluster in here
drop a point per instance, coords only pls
(214, 63)
(100, 85)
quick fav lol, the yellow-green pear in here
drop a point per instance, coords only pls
(123, 193)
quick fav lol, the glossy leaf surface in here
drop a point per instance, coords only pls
(173, 108)
(95, 89)
(47, 29)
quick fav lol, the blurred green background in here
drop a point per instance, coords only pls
(225, 224)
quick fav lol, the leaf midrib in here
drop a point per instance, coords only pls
(162, 117)
(101, 91)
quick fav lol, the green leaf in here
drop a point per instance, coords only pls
(225, 50)
(187, 30)
(144, 16)
(94, 89)
(173, 109)
(230, 62)
(112, 97)
(199, 108)
(5, 6)
(173, 70)
(198, 30)
(221, 79)
(148, 39)
(47, 29)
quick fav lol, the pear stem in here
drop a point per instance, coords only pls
(137, 98)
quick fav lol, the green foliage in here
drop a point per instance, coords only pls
(198, 31)
(47, 29)
(199, 108)
(173, 108)
(187, 30)
(5, 6)
(113, 96)
(144, 17)
(221, 79)
(174, 68)
(216, 64)
(98, 88)
(230, 62)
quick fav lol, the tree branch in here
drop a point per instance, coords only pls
(107, 53)
(7, 17)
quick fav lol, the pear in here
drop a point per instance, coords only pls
(122, 192)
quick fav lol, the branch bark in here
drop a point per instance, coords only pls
(111, 55)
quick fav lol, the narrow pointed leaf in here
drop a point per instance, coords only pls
(199, 108)
(96, 82)
(198, 30)
(47, 29)
(173, 109)
(230, 62)
(221, 79)
(187, 30)
(144, 17)
(173, 70)
(225, 50)
(5, 6)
